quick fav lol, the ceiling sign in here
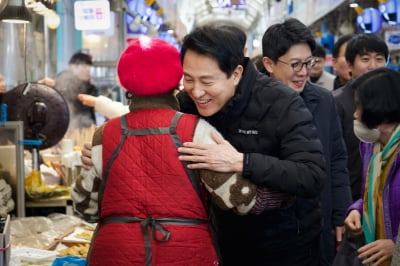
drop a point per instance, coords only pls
(92, 15)
(231, 3)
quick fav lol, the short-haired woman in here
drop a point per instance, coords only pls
(377, 124)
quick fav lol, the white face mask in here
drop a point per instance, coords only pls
(365, 134)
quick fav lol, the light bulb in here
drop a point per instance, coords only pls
(52, 21)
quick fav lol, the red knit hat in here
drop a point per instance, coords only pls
(149, 66)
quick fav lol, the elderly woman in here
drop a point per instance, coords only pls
(377, 213)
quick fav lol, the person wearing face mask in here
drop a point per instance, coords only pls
(376, 214)
(364, 52)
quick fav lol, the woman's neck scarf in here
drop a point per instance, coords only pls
(378, 161)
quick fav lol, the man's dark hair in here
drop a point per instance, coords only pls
(239, 32)
(319, 51)
(338, 44)
(224, 44)
(280, 37)
(80, 58)
(378, 93)
(364, 43)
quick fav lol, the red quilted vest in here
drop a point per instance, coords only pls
(148, 197)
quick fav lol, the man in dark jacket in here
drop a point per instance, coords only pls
(287, 51)
(339, 63)
(73, 81)
(364, 52)
(270, 139)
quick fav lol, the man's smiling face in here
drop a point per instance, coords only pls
(207, 85)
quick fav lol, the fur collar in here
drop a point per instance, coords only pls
(167, 101)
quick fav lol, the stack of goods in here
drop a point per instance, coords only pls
(58, 237)
(6, 202)
(76, 242)
(80, 136)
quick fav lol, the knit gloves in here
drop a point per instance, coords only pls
(233, 191)
(230, 191)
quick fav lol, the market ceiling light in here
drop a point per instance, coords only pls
(353, 4)
(16, 12)
(52, 21)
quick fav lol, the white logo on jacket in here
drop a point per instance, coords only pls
(248, 131)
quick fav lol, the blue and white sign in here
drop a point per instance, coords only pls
(370, 21)
(392, 39)
(92, 15)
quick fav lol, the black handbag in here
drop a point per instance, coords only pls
(347, 254)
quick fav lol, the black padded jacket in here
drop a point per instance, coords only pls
(270, 124)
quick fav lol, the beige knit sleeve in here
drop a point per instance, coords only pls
(227, 190)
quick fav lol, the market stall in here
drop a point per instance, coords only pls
(40, 163)
(49, 240)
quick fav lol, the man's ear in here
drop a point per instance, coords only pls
(237, 74)
(268, 64)
(350, 65)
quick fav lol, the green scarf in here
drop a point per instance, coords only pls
(377, 163)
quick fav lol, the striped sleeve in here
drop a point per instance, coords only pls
(268, 199)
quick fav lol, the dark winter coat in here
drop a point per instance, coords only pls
(336, 194)
(270, 124)
(344, 98)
